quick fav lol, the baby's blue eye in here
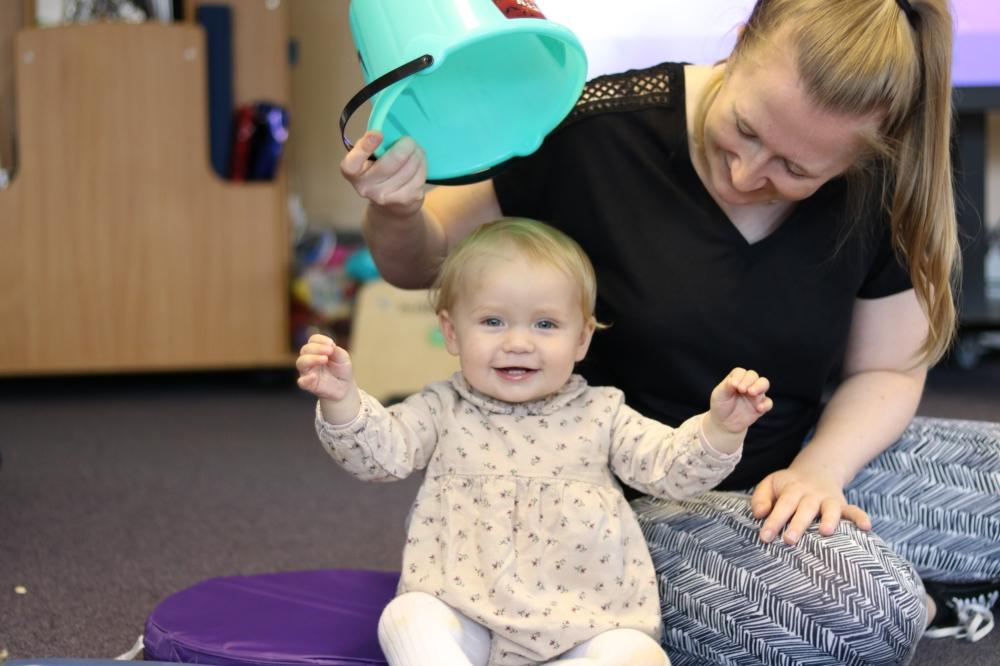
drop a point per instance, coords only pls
(492, 321)
(547, 324)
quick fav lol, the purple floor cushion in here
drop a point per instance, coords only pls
(327, 617)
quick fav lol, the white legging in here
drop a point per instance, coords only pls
(418, 629)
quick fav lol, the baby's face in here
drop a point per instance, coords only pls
(518, 329)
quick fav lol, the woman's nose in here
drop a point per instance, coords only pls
(747, 172)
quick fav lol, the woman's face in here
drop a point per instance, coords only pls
(765, 141)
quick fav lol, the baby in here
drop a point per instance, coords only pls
(521, 547)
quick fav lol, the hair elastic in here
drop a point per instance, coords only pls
(911, 13)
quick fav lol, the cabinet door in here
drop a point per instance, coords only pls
(119, 248)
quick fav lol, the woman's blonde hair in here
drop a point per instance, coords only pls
(532, 239)
(861, 57)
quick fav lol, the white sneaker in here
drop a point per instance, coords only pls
(964, 610)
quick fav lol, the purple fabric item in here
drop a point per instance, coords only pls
(69, 661)
(327, 617)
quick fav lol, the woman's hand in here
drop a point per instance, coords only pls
(394, 181)
(325, 369)
(795, 497)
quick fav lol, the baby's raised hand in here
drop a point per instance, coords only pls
(325, 369)
(739, 400)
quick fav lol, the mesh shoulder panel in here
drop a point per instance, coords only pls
(634, 89)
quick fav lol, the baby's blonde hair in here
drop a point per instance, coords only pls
(534, 240)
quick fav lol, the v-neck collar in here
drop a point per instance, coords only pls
(710, 205)
(718, 216)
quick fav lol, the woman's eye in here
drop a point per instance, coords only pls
(793, 171)
(745, 131)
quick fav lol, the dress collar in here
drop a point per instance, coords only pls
(573, 387)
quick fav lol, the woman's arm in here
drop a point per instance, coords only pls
(880, 392)
(409, 234)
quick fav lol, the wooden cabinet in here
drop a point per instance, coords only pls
(120, 249)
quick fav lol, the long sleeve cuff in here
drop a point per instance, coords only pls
(714, 453)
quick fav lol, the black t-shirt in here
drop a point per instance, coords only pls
(687, 297)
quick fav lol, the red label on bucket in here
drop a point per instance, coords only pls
(519, 8)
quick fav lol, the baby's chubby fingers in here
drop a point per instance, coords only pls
(339, 356)
(310, 367)
(308, 360)
(758, 387)
(756, 394)
(748, 383)
(308, 382)
(735, 378)
(318, 340)
(317, 351)
(744, 380)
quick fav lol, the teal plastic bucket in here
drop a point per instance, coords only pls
(474, 82)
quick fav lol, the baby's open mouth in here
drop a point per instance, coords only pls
(515, 373)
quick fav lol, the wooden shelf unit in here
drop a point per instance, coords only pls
(120, 249)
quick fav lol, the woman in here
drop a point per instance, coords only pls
(805, 184)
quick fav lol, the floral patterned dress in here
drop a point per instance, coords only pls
(520, 524)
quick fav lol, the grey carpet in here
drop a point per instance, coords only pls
(117, 491)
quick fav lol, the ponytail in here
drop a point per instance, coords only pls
(924, 227)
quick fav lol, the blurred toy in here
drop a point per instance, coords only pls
(327, 273)
(84, 11)
(361, 266)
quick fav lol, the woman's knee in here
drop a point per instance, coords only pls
(846, 597)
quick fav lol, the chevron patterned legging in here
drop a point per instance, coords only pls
(850, 598)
